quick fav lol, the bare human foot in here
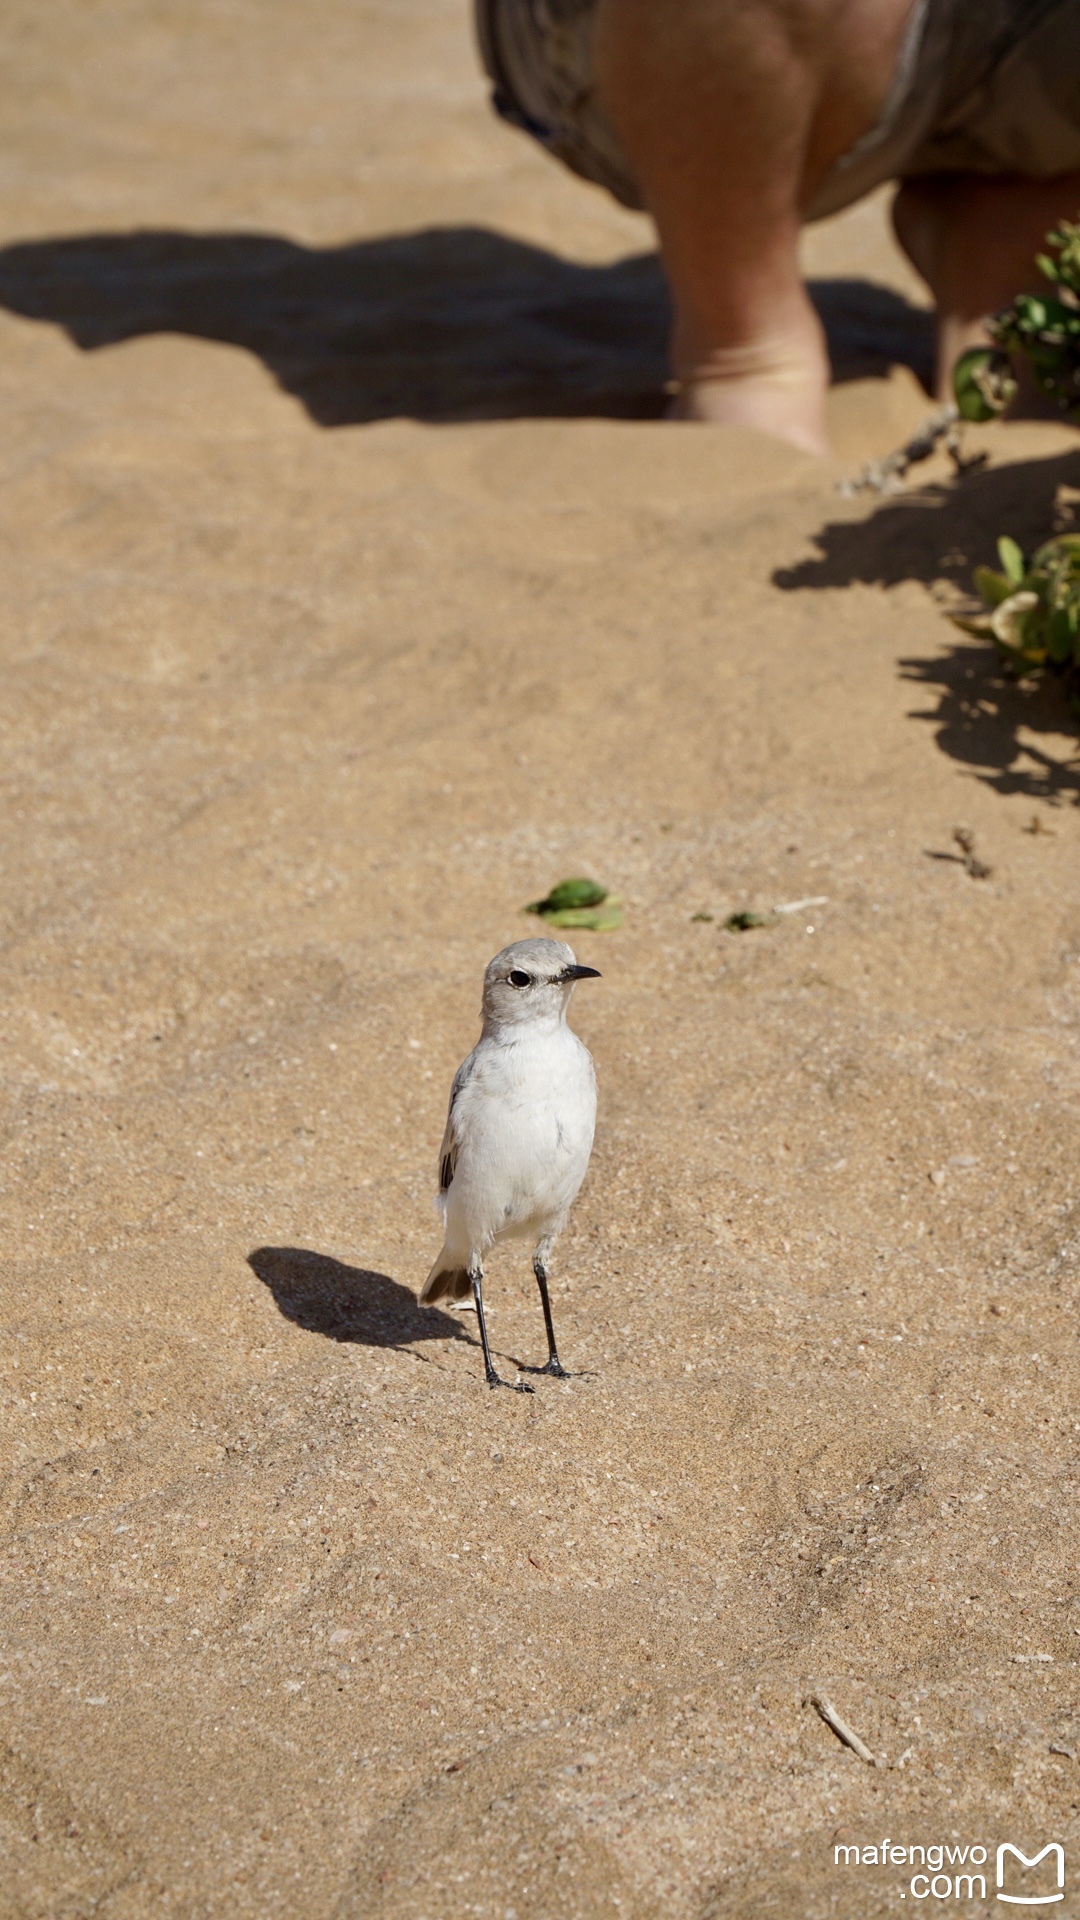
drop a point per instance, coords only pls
(973, 238)
(732, 111)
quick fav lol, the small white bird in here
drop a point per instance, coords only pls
(519, 1131)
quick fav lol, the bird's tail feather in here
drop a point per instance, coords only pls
(446, 1281)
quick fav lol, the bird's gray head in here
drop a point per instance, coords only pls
(531, 980)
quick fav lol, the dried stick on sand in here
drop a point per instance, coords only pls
(824, 1706)
(887, 475)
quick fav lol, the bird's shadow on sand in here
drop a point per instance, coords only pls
(348, 1303)
(981, 717)
(449, 323)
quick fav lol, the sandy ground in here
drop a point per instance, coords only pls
(353, 594)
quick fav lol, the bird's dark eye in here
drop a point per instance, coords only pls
(519, 979)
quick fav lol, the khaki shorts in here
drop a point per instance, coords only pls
(981, 86)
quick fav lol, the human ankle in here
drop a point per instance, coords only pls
(784, 412)
(777, 385)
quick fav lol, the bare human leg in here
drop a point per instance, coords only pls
(974, 238)
(731, 112)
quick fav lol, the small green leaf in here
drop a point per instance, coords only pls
(983, 383)
(1030, 311)
(1012, 559)
(994, 587)
(570, 893)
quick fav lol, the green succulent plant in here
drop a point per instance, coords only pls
(1033, 615)
(1041, 328)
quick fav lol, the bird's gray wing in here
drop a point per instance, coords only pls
(448, 1152)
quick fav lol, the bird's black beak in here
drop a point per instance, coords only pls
(582, 973)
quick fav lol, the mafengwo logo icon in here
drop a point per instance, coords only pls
(1014, 1884)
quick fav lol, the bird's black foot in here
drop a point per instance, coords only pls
(515, 1386)
(553, 1364)
(553, 1368)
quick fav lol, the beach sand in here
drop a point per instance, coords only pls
(354, 593)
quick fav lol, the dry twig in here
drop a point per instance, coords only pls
(887, 476)
(796, 906)
(824, 1706)
(965, 840)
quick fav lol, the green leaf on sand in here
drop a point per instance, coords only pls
(570, 893)
(579, 903)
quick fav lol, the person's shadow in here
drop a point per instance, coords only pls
(451, 323)
(982, 716)
(348, 1303)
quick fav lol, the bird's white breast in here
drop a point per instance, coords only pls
(524, 1122)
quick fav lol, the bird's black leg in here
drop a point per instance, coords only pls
(554, 1364)
(493, 1379)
